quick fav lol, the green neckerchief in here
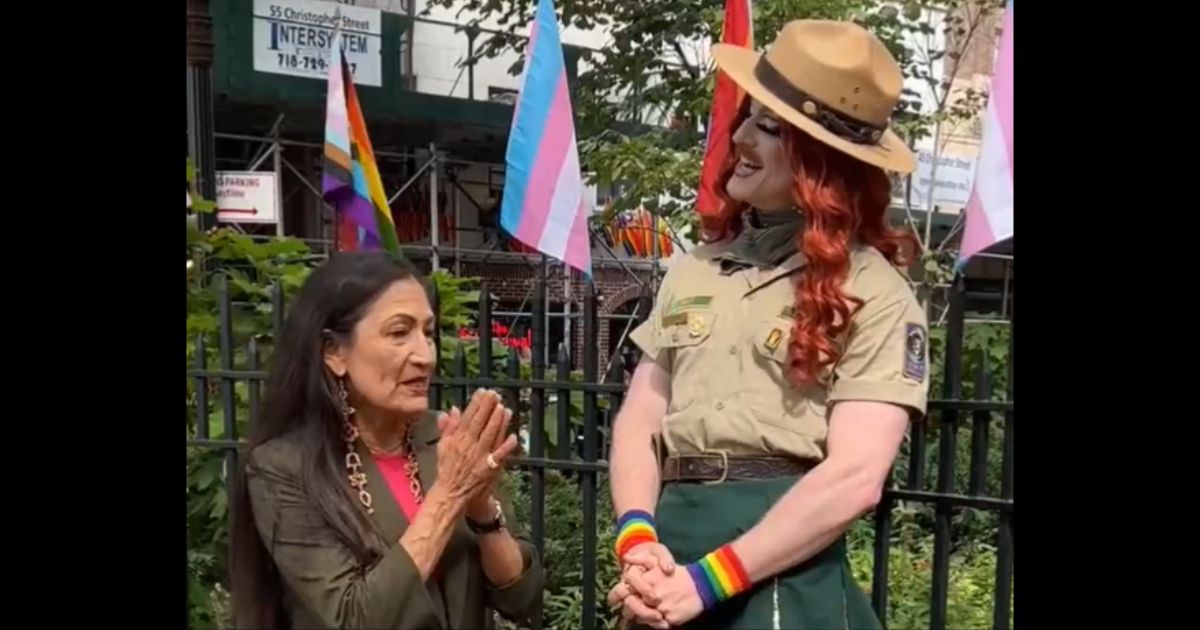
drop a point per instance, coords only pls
(766, 240)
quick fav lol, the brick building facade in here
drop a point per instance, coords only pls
(617, 292)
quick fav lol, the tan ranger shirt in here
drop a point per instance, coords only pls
(724, 341)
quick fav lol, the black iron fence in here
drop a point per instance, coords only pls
(544, 409)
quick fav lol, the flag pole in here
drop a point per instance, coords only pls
(337, 211)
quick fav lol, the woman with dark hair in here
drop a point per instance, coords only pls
(358, 507)
(783, 359)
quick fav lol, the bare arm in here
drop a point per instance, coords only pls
(864, 438)
(426, 538)
(633, 463)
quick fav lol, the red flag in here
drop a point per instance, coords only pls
(738, 30)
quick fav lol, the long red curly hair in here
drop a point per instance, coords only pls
(843, 200)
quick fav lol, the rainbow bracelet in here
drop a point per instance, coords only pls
(634, 528)
(718, 576)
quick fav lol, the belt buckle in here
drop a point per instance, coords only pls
(724, 466)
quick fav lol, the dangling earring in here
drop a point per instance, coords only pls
(344, 399)
(354, 472)
(351, 431)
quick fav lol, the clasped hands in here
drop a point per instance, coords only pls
(654, 591)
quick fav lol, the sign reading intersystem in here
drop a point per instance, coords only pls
(292, 37)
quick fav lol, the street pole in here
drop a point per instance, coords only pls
(434, 236)
(201, 143)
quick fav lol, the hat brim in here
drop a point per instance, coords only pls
(889, 154)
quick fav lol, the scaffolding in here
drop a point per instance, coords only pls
(269, 153)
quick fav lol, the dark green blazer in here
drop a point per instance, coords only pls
(327, 587)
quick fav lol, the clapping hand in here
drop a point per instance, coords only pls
(473, 446)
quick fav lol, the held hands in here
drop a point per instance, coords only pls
(472, 449)
(653, 591)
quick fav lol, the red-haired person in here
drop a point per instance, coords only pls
(783, 359)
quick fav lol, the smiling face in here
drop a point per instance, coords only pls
(763, 176)
(389, 359)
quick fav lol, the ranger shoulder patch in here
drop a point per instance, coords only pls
(915, 340)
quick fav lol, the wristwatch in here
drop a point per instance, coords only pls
(496, 524)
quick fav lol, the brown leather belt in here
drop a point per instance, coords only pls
(718, 467)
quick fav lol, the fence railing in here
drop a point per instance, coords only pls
(582, 441)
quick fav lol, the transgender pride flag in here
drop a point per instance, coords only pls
(544, 204)
(990, 208)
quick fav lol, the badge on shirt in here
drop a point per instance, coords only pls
(914, 351)
(773, 339)
(674, 319)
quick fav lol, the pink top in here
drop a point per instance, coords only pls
(392, 469)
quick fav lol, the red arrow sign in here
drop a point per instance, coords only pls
(251, 211)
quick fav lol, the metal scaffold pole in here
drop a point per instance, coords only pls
(434, 237)
(200, 128)
(277, 149)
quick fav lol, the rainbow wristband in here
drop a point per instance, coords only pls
(634, 528)
(718, 576)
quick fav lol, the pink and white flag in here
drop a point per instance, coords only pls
(544, 204)
(989, 210)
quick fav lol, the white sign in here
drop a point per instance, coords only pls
(955, 175)
(391, 6)
(246, 197)
(292, 37)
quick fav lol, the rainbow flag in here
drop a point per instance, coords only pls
(350, 179)
(989, 210)
(737, 30)
(544, 205)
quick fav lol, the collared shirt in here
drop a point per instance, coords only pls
(724, 341)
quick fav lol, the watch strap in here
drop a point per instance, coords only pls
(494, 525)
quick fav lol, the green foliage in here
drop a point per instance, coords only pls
(563, 598)
(458, 300)
(910, 576)
(250, 269)
(653, 174)
(200, 205)
(207, 502)
(458, 303)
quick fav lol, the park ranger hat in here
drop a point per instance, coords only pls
(833, 80)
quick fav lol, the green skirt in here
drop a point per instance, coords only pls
(820, 594)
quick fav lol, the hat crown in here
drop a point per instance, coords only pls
(840, 64)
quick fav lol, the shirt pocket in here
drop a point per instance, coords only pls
(776, 401)
(687, 337)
